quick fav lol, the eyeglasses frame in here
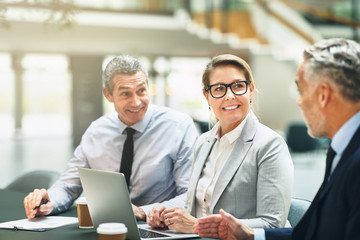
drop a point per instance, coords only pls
(247, 82)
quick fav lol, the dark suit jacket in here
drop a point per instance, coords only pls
(335, 211)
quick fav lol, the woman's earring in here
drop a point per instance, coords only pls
(210, 117)
(250, 101)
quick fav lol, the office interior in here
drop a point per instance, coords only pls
(52, 54)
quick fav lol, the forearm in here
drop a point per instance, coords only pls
(68, 187)
(62, 197)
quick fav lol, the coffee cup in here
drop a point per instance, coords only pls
(112, 231)
(83, 213)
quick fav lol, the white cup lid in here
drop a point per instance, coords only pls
(111, 228)
(81, 200)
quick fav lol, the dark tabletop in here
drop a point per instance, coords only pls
(12, 208)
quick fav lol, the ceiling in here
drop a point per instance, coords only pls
(95, 33)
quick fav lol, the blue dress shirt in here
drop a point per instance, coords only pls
(163, 148)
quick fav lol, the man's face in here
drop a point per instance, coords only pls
(130, 97)
(308, 102)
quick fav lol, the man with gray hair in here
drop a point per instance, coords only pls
(158, 167)
(329, 85)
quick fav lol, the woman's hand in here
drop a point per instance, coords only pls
(154, 219)
(178, 219)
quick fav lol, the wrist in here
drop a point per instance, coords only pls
(142, 215)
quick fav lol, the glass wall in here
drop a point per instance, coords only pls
(46, 95)
(6, 96)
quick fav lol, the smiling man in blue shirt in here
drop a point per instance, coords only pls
(163, 143)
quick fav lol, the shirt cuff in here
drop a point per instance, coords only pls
(259, 234)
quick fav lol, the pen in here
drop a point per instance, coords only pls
(44, 202)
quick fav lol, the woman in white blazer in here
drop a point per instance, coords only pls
(240, 165)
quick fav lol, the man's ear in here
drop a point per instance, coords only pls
(107, 94)
(325, 94)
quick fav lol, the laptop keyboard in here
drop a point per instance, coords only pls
(150, 234)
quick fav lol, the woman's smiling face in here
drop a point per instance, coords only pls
(231, 109)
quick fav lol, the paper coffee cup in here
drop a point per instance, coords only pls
(111, 231)
(83, 213)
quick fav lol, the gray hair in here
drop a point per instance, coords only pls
(338, 60)
(123, 64)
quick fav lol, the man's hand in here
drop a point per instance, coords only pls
(139, 213)
(153, 218)
(223, 226)
(33, 200)
(208, 226)
(178, 219)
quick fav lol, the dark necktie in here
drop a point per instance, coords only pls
(329, 159)
(127, 155)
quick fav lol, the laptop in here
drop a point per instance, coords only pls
(109, 201)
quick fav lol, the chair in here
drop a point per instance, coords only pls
(34, 179)
(298, 208)
(202, 126)
(298, 139)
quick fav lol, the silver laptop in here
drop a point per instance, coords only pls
(108, 201)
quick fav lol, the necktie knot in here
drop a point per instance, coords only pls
(130, 131)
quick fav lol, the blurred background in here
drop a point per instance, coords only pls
(52, 53)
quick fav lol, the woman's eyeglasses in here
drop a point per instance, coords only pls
(219, 90)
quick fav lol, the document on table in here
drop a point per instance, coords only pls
(39, 223)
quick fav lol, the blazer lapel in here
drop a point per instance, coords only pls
(198, 166)
(350, 149)
(236, 158)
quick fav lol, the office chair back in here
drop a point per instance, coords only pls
(298, 139)
(298, 208)
(34, 179)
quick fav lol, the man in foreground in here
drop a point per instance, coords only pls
(329, 85)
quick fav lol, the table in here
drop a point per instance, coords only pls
(12, 208)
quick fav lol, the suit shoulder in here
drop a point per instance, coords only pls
(266, 133)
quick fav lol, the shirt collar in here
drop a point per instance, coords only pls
(342, 138)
